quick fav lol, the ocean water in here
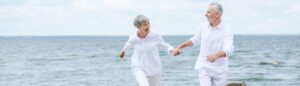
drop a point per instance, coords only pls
(93, 61)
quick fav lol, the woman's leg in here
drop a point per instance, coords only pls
(140, 76)
(154, 80)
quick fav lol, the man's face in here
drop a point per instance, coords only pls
(212, 14)
(145, 27)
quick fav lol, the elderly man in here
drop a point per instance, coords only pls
(216, 45)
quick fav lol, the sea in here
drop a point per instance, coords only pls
(259, 60)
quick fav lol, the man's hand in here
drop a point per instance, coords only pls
(212, 58)
(176, 51)
(122, 54)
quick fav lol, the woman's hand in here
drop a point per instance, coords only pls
(122, 54)
(176, 51)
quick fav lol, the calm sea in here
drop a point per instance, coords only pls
(260, 60)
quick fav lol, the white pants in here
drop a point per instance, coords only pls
(208, 78)
(144, 80)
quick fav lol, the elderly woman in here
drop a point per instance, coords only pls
(145, 61)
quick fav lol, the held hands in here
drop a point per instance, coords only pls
(176, 51)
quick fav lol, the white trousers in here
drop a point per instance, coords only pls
(143, 79)
(208, 78)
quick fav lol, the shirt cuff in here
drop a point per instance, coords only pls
(170, 49)
(193, 41)
(126, 47)
(227, 54)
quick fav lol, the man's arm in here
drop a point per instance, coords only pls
(196, 39)
(227, 48)
(176, 51)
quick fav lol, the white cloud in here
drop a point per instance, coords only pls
(83, 5)
(114, 17)
(295, 8)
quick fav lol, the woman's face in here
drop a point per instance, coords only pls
(145, 27)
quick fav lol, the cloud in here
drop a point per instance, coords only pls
(295, 8)
(114, 17)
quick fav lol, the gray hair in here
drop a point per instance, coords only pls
(219, 6)
(139, 20)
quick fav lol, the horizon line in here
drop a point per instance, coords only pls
(162, 35)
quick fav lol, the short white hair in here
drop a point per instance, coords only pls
(219, 7)
(139, 20)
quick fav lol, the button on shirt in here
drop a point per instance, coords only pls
(211, 41)
(146, 52)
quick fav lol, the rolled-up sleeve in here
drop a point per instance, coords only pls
(228, 46)
(196, 39)
(163, 45)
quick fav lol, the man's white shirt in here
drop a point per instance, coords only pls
(211, 41)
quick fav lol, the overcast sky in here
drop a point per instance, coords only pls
(167, 17)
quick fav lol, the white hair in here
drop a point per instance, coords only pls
(139, 20)
(218, 6)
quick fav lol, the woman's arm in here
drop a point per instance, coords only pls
(122, 54)
(129, 44)
(163, 45)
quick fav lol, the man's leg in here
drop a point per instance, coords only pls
(154, 80)
(219, 79)
(204, 78)
(140, 76)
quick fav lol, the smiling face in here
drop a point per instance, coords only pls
(142, 23)
(212, 14)
(144, 27)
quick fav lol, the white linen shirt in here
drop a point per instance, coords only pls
(213, 40)
(146, 52)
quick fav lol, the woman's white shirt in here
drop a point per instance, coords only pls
(146, 52)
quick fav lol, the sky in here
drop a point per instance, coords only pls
(167, 17)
